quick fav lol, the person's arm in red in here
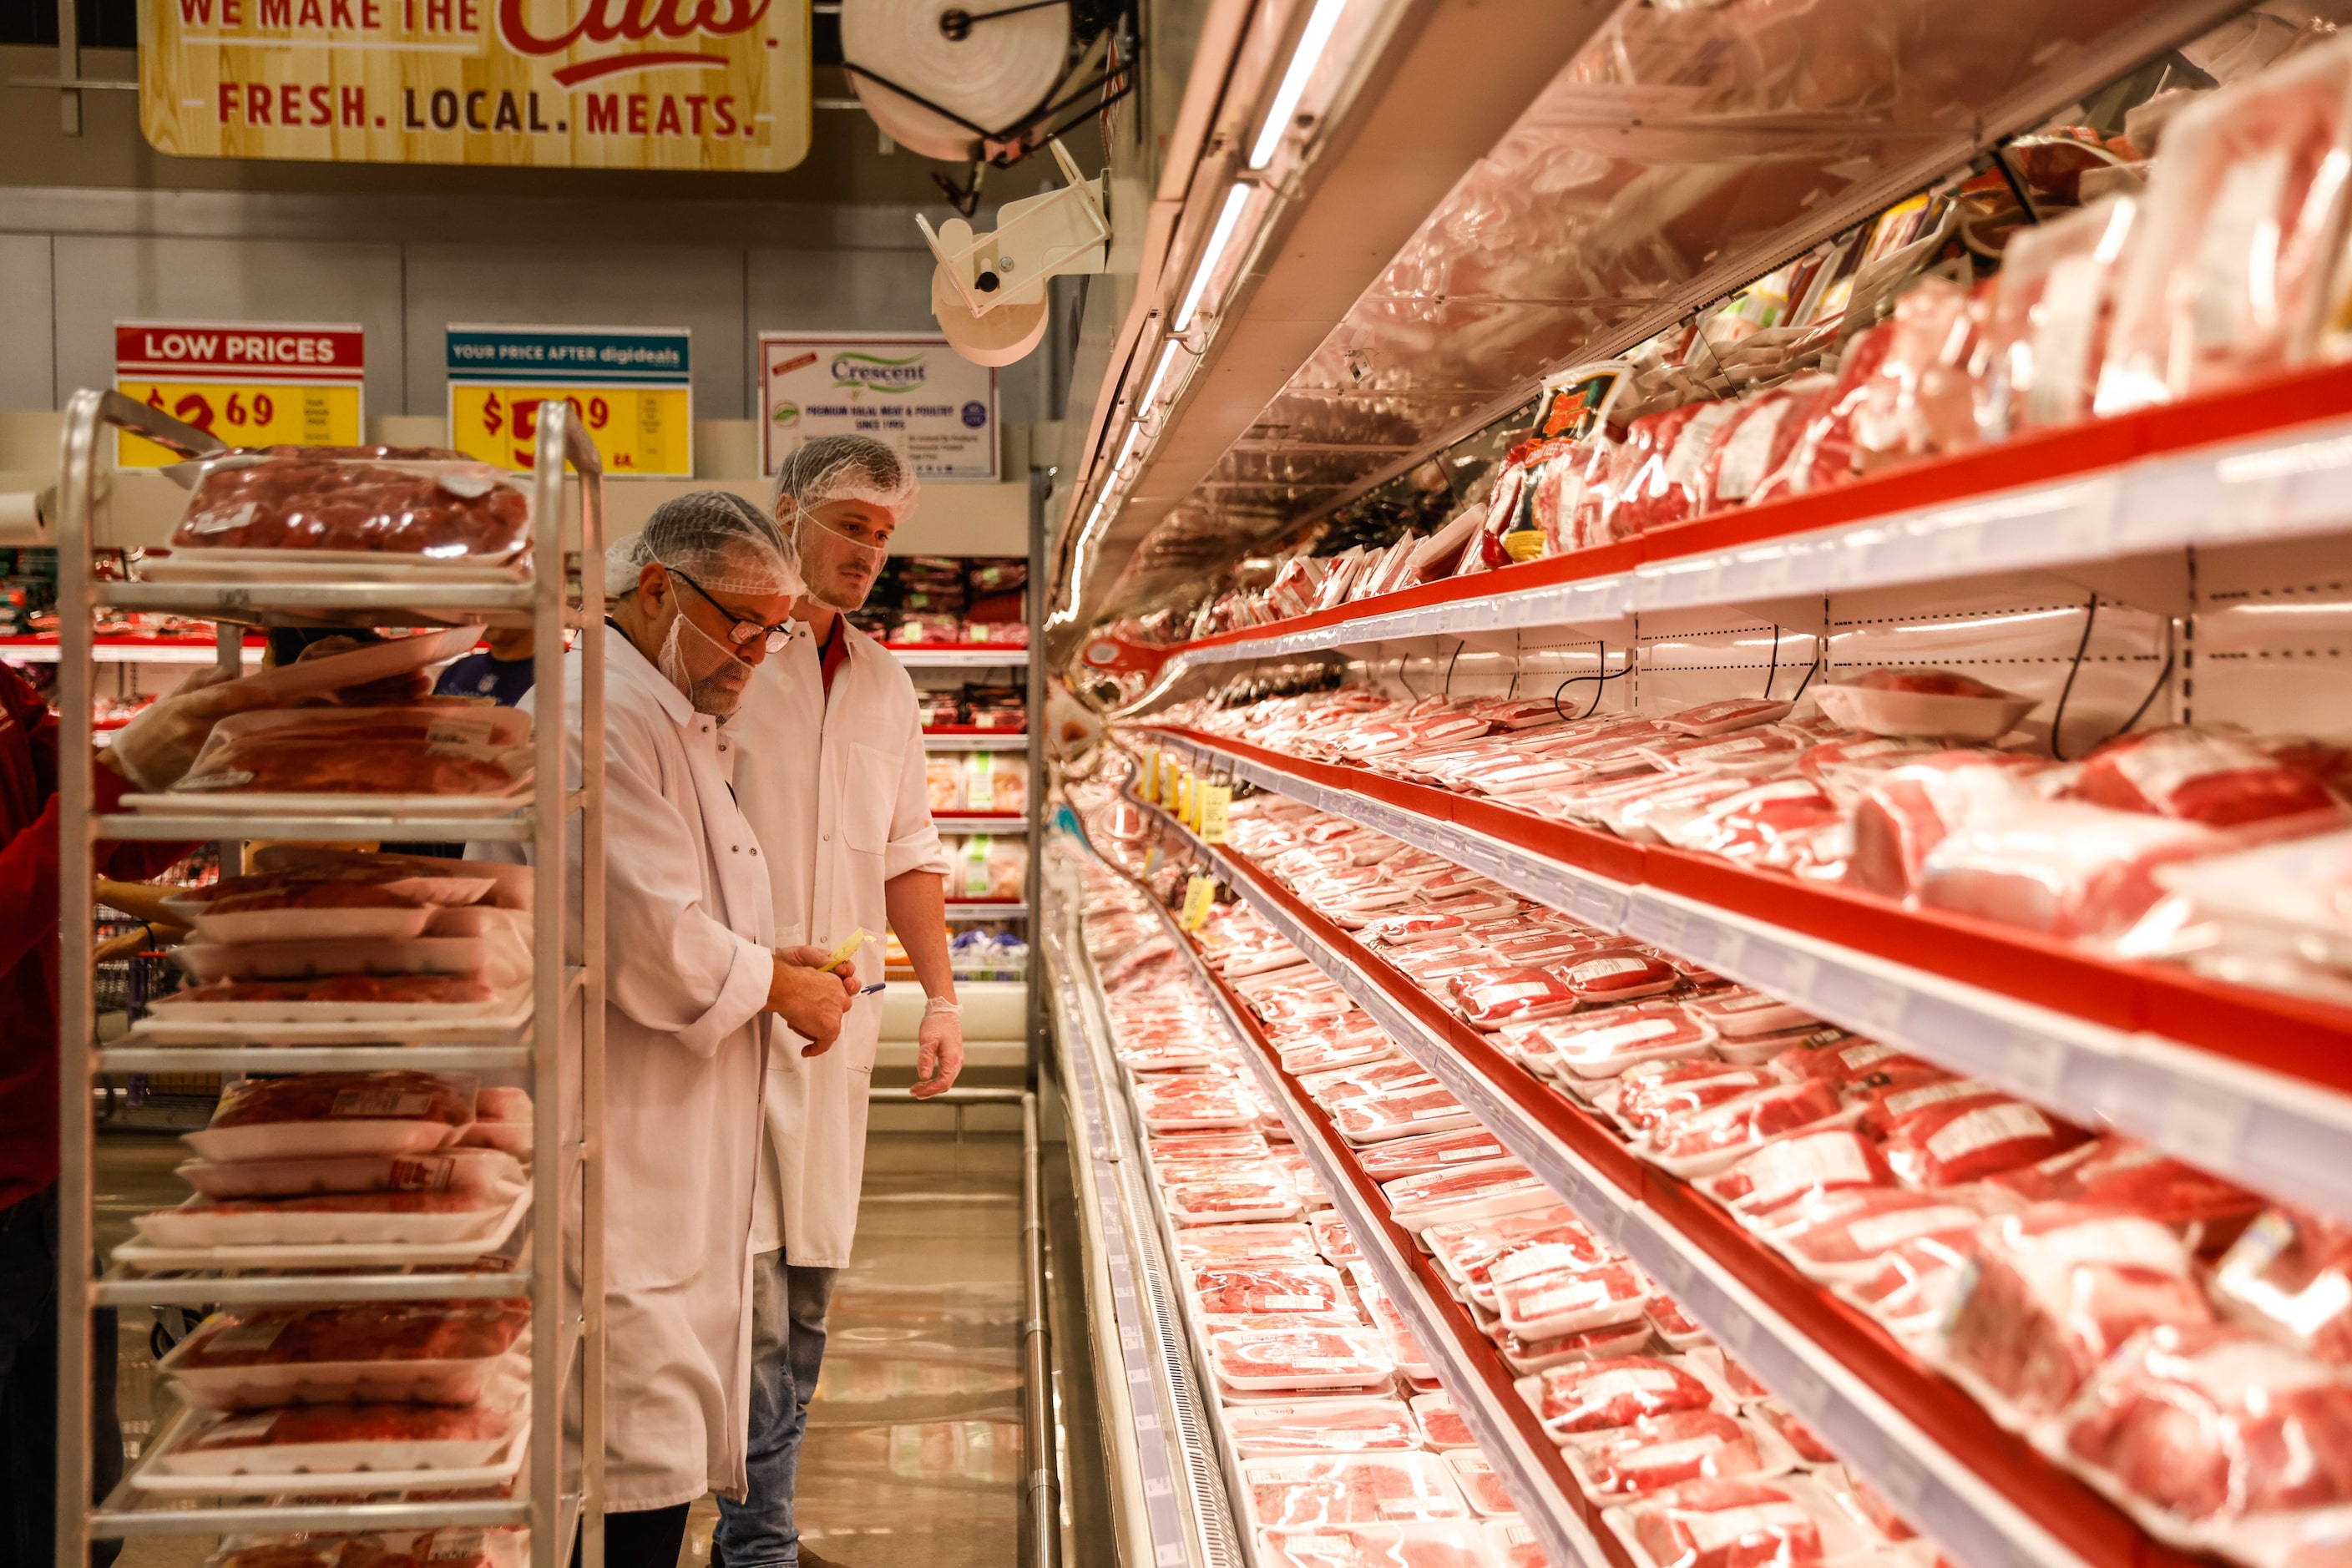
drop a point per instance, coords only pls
(28, 868)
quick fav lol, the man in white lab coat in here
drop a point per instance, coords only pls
(831, 776)
(698, 601)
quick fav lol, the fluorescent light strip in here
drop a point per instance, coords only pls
(1151, 391)
(1311, 44)
(1134, 434)
(1219, 238)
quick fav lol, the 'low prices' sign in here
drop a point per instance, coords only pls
(633, 386)
(252, 383)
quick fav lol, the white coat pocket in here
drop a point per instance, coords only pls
(869, 795)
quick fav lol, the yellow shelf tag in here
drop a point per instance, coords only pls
(1216, 804)
(1200, 895)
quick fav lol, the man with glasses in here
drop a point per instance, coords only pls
(831, 776)
(697, 601)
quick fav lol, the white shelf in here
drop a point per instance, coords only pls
(954, 823)
(310, 1059)
(961, 912)
(126, 653)
(153, 827)
(999, 741)
(2273, 1133)
(982, 656)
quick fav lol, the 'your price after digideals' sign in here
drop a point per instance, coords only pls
(614, 84)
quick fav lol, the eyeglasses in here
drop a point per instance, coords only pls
(740, 632)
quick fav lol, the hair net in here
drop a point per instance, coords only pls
(846, 467)
(715, 537)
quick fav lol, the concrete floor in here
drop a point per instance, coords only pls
(914, 1451)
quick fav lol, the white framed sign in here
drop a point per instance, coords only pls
(909, 391)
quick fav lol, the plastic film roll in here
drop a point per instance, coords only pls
(1001, 70)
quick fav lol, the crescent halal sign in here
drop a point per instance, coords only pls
(620, 84)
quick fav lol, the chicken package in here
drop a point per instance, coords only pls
(1607, 1041)
(1794, 1169)
(943, 784)
(322, 1114)
(1735, 1524)
(471, 1171)
(2227, 277)
(430, 1353)
(1654, 1093)
(1451, 1543)
(1710, 1140)
(2047, 340)
(1491, 998)
(463, 1546)
(402, 1218)
(1354, 1489)
(449, 749)
(1430, 1151)
(1660, 1452)
(1481, 1191)
(1973, 1136)
(995, 782)
(1341, 1426)
(1545, 1290)
(1429, 1109)
(1301, 1359)
(1268, 1288)
(434, 508)
(1594, 1396)
(990, 868)
(2057, 1289)
(2199, 775)
(2208, 1425)
(2290, 1276)
(2064, 869)
(321, 1440)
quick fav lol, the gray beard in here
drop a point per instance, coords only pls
(717, 698)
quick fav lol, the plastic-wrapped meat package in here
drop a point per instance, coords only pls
(2290, 1276)
(1970, 1137)
(1607, 1041)
(1231, 1201)
(2199, 775)
(1448, 1544)
(1491, 998)
(432, 1352)
(412, 989)
(341, 1438)
(1754, 444)
(322, 1114)
(1616, 975)
(1739, 1013)
(1341, 1426)
(2214, 1424)
(1661, 1451)
(328, 1218)
(1672, 455)
(1807, 1443)
(1846, 1060)
(1525, 1357)
(1513, 1544)
(2228, 276)
(1845, 767)
(1799, 1167)
(445, 749)
(1887, 1106)
(1431, 1197)
(1824, 453)
(1441, 1425)
(447, 1547)
(1726, 1524)
(1347, 1086)
(473, 1170)
(1674, 1325)
(356, 498)
(1414, 928)
(1436, 1152)
(313, 909)
(2051, 310)
(1301, 1359)
(2062, 867)
(1908, 810)
(1662, 1091)
(1240, 1243)
(2121, 1173)
(1268, 1288)
(1615, 1391)
(1465, 1250)
(1711, 1139)
(1912, 1287)
(1541, 1293)
(1426, 1110)
(2057, 1289)
(1923, 399)
(1481, 1486)
(944, 783)
(1722, 717)
(1357, 1489)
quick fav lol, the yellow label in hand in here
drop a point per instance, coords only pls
(848, 948)
(1200, 896)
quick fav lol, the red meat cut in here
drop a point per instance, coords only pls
(1728, 1524)
(1615, 1391)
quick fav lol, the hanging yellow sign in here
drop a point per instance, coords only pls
(1216, 804)
(251, 384)
(632, 386)
(1199, 898)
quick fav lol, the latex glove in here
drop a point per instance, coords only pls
(938, 1048)
(158, 746)
(812, 1002)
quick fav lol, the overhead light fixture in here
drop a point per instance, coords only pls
(1151, 390)
(1134, 434)
(1219, 238)
(1311, 44)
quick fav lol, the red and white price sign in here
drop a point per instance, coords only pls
(252, 383)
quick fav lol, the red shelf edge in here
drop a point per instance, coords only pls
(2067, 1508)
(2278, 404)
(2295, 1036)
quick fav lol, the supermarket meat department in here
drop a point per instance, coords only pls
(1619, 844)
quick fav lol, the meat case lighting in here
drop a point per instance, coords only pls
(1311, 45)
(1229, 218)
(1159, 376)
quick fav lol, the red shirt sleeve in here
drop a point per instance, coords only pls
(28, 868)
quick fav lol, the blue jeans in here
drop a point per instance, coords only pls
(788, 1307)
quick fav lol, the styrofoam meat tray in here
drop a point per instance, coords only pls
(454, 1381)
(329, 1466)
(321, 1139)
(457, 1170)
(382, 922)
(352, 802)
(175, 1020)
(199, 564)
(321, 958)
(346, 1255)
(200, 1224)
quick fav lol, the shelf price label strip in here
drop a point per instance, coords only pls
(2266, 1131)
(1943, 1496)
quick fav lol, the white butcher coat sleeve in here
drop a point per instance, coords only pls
(913, 840)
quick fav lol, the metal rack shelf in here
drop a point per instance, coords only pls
(960, 823)
(568, 1369)
(982, 656)
(1937, 1455)
(984, 911)
(1006, 741)
(47, 652)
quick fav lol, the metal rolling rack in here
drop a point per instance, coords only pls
(563, 1485)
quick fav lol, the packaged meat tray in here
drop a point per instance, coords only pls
(426, 877)
(462, 1546)
(1468, 1251)
(1810, 1449)
(1964, 1139)
(1430, 1151)
(1243, 1145)
(1491, 998)
(1300, 1360)
(1442, 1426)
(1333, 1239)
(1661, 1451)
(1321, 1427)
(430, 1353)
(2290, 1276)
(1418, 1111)
(329, 1219)
(1654, 1093)
(1787, 1522)
(1738, 1015)
(1527, 1357)
(2199, 775)
(324, 885)
(1244, 1242)
(2119, 1172)
(1543, 1290)
(435, 510)
(1468, 1192)
(315, 1115)
(1712, 1140)
(1225, 1288)
(305, 960)
(1619, 975)
(472, 1170)
(1674, 1325)
(1228, 1201)
(1594, 1396)
(451, 758)
(1356, 1488)
(311, 911)
(339, 1448)
(1513, 1544)
(1449, 1544)
(340, 1003)
(503, 1120)
(1179, 1101)
(1605, 1042)
(1793, 1169)
(1482, 1488)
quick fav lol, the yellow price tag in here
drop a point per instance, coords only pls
(1183, 799)
(848, 948)
(636, 430)
(1167, 795)
(245, 414)
(1216, 805)
(1200, 896)
(1149, 785)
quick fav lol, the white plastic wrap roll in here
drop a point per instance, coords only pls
(1000, 337)
(1000, 70)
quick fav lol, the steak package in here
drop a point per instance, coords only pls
(325, 1114)
(327, 1439)
(1322, 1426)
(449, 748)
(1356, 1488)
(432, 1352)
(446, 1547)
(1594, 1396)
(380, 501)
